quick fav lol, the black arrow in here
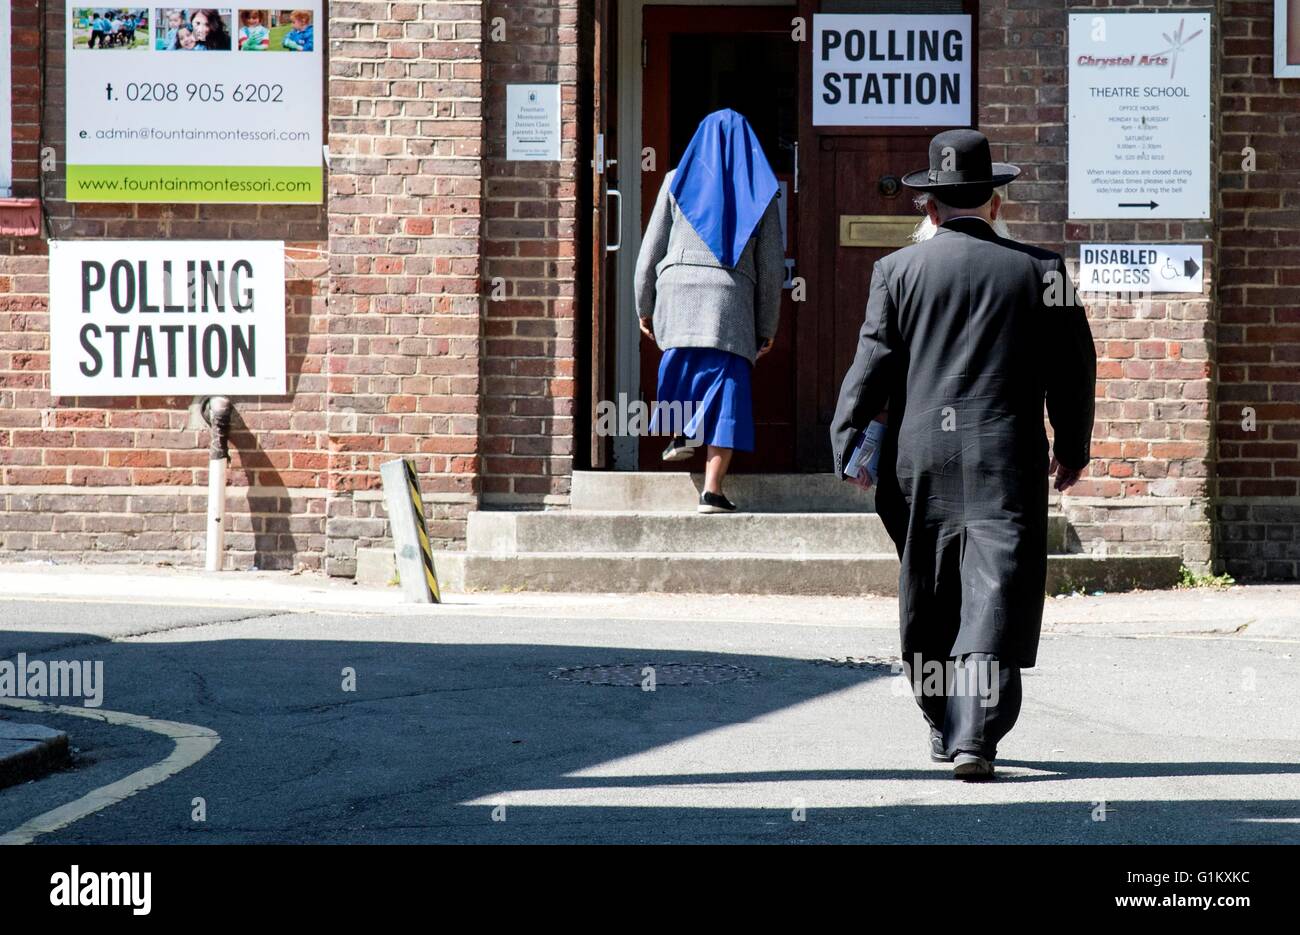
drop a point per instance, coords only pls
(1190, 268)
(1139, 204)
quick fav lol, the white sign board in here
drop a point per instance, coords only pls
(167, 317)
(1139, 115)
(1137, 267)
(184, 104)
(533, 122)
(873, 70)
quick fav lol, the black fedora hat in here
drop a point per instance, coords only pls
(970, 174)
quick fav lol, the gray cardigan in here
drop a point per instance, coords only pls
(695, 300)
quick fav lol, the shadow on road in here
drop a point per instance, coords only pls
(431, 727)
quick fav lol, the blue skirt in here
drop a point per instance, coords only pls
(716, 385)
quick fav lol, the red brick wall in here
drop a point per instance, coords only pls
(405, 321)
(1258, 413)
(397, 349)
(529, 247)
(80, 458)
(24, 23)
(1146, 490)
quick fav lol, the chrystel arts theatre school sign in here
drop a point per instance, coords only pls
(874, 70)
(158, 318)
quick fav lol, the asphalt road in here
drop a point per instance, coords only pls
(480, 728)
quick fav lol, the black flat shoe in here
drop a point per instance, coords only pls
(714, 503)
(937, 752)
(678, 449)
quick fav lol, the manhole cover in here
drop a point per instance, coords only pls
(860, 662)
(664, 673)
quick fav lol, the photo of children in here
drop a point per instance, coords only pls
(292, 31)
(110, 28)
(254, 31)
(193, 29)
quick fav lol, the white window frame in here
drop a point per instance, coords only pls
(6, 106)
(1281, 68)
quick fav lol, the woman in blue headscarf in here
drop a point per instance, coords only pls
(708, 290)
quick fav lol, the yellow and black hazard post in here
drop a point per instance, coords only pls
(410, 537)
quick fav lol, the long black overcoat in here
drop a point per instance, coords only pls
(966, 335)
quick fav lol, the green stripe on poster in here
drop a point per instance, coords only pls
(197, 184)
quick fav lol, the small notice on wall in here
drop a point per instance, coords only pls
(158, 318)
(872, 70)
(1139, 115)
(533, 122)
(1140, 267)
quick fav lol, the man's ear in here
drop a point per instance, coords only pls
(932, 212)
(995, 207)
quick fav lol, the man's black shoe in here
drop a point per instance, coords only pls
(937, 752)
(969, 767)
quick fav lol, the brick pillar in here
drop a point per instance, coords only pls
(530, 246)
(1258, 415)
(404, 322)
(1147, 488)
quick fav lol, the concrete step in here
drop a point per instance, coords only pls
(679, 491)
(505, 533)
(749, 573)
(593, 531)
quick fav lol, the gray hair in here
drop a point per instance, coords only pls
(925, 230)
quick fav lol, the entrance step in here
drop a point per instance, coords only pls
(638, 531)
(507, 533)
(500, 533)
(749, 573)
(679, 491)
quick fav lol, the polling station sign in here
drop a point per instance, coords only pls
(168, 104)
(159, 318)
(874, 70)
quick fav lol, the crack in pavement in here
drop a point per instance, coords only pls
(91, 639)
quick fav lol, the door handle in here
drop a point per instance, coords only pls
(618, 227)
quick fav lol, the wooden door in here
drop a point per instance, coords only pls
(851, 190)
(698, 60)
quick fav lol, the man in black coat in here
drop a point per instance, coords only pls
(966, 335)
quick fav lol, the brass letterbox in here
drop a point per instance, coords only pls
(877, 230)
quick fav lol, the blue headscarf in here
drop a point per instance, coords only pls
(724, 184)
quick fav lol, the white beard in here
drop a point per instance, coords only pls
(927, 228)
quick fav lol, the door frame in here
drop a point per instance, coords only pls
(626, 375)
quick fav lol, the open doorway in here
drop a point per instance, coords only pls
(680, 63)
(842, 204)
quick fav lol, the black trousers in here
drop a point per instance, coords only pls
(972, 700)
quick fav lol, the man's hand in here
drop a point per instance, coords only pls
(1065, 477)
(862, 481)
(646, 325)
(764, 347)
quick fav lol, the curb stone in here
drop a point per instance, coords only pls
(28, 751)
